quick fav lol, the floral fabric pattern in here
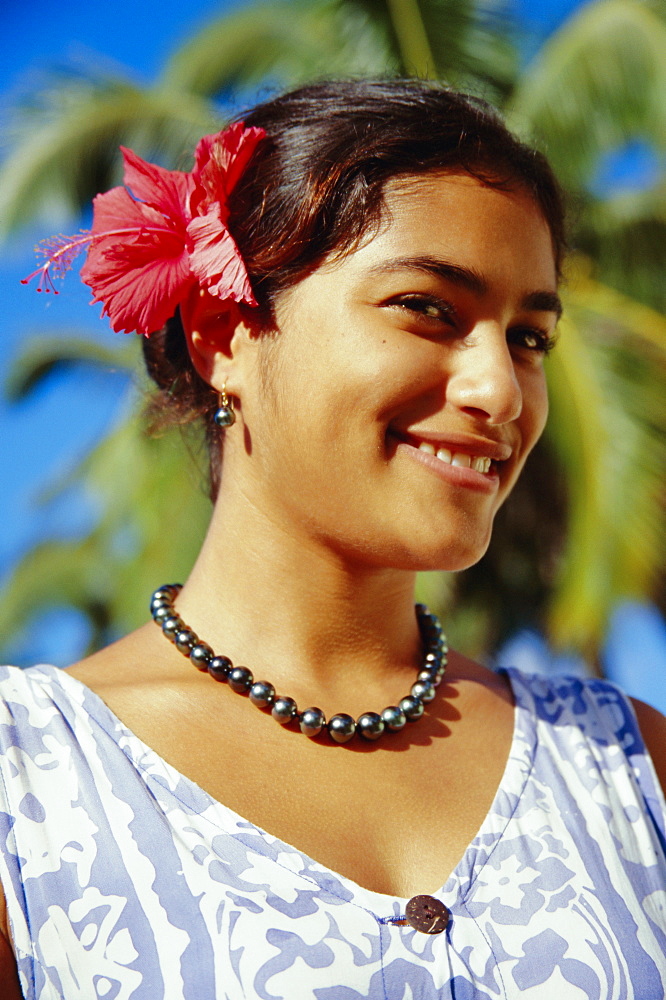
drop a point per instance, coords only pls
(125, 880)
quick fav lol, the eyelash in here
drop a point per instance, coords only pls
(421, 303)
(542, 342)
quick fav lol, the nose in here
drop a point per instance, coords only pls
(483, 380)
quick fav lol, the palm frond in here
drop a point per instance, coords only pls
(289, 41)
(607, 426)
(143, 487)
(412, 38)
(626, 236)
(43, 355)
(66, 149)
(55, 573)
(473, 45)
(599, 81)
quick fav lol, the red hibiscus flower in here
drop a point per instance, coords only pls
(160, 235)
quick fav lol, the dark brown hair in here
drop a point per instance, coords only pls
(315, 187)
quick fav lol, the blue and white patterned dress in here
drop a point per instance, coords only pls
(125, 880)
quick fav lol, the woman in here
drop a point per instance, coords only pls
(363, 284)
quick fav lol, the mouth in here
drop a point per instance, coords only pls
(467, 461)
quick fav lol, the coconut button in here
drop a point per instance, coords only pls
(427, 914)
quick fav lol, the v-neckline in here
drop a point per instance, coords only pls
(514, 778)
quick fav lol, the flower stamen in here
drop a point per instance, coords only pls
(60, 252)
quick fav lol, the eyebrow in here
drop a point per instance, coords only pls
(467, 278)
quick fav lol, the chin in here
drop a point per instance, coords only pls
(458, 549)
(451, 556)
(454, 562)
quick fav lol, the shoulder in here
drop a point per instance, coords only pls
(652, 725)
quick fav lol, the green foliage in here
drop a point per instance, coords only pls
(293, 41)
(64, 141)
(43, 355)
(154, 512)
(596, 85)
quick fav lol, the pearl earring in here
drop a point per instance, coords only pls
(225, 415)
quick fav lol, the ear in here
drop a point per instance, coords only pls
(214, 330)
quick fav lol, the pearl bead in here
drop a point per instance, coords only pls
(412, 707)
(219, 667)
(166, 593)
(394, 718)
(284, 709)
(240, 679)
(201, 655)
(370, 726)
(312, 721)
(423, 690)
(341, 728)
(171, 626)
(224, 417)
(161, 613)
(184, 640)
(262, 694)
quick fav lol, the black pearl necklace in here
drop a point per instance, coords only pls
(340, 727)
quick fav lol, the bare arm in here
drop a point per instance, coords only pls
(9, 981)
(653, 729)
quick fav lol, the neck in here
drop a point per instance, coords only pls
(297, 613)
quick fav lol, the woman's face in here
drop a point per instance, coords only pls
(406, 384)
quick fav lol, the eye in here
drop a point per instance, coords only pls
(532, 339)
(426, 307)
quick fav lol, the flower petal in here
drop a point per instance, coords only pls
(215, 259)
(137, 264)
(219, 162)
(168, 191)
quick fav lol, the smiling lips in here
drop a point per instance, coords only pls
(462, 451)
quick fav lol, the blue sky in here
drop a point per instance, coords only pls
(45, 436)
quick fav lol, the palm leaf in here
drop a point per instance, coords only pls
(44, 355)
(287, 41)
(66, 149)
(55, 573)
(110, 573)
(599, 81)
(626, 236)
(612, 457)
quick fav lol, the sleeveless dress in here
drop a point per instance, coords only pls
(125, 880)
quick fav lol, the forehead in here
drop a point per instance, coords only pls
(456, 213)
(455, 217)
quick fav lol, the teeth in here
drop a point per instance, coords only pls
(459, 458)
